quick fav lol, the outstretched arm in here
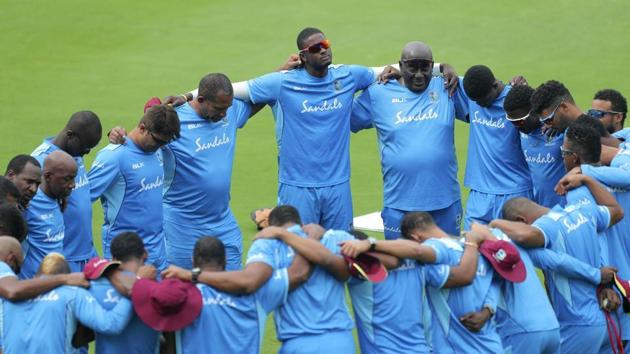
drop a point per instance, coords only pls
(521, 233)
(13, 289)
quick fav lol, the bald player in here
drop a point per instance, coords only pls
(81, 133)
(44, 215)
(415, 120)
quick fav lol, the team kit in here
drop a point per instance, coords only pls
(535, 262)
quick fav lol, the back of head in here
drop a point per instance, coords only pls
(209, 251)
(415, 221)
(12, 222)
(584, 140)
(304, 34)
(87, 127)
(9, 244)
(127, 246)
(549, 94)
(283, 215)
(518, 98)
(54, 263)
(617, 101)
(213, 84)
(8, 190)
(594, 123)
(478, 81)
(18, 162)
(515, 208)
(58, 160)
(162, 119)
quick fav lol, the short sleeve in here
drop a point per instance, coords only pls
(242, 111)
(548, 228)
(437, 274)
(104, 171)
(363, 76)
(440, 249)
(623, 134)
(6, 271)
(361, 117)
(460, 99)
(599, 214)
(274, 292)
(332, 239)
(265, 89)
(261, 251)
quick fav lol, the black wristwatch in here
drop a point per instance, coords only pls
(195, 275)
(372, 242)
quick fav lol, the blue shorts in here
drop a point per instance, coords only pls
(330, 206)
(543, 342)
(339, 342)
(584, 339)
(180, 249)
(448, 219)
(77, 266)
(483, 207)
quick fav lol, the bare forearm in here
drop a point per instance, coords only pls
(312, 250)
(230, 282)
(523, 234)
(406, 249)
(299, 271)
(15, 290)
(599, 192)
(464, 273)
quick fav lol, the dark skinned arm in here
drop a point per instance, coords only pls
(13, 289)
(521, 233)
(601, 195)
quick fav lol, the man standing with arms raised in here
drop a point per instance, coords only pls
(415, 121)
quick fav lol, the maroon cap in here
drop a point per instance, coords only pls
(169, 305)
(623, 286)
(366, 267)
(505, 260)
(95, 268)
(151, 102)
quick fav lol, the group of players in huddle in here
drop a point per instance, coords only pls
(548, 187)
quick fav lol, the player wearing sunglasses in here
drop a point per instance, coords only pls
(610, 107)
(415, 120)
(541, 151)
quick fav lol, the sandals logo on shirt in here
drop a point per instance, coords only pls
(322, 107)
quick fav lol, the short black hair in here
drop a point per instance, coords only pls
(617, 101)
(18, 162)
(211, 84)
(415, 220)
(593, 123)
(518, 98)
(162, 119)
(514, 207)
(8, 188)
(12, 222)
(127, 246)
(283, 214)
(548, 94)
(304, 34)
(584, 140)
(208, 250)
(478, 81)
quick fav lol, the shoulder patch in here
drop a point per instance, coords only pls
(42, 148)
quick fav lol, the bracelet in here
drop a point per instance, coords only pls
(185, 97)
(471, 244)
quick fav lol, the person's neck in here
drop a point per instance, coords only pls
(134, 135)
(322, 72)
(536, 214)
(195, 106)
(131, 266)
(61, 140)
(573, 111)
(46, 189)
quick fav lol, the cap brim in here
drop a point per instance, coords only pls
(102, 271)
(368, 267)
(141, 298)
(623, 287)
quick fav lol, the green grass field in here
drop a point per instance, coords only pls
(111, 56)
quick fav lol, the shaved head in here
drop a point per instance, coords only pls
(59, 173)
(520, 209)
(81, 134)
(416, 50)
(11, 252)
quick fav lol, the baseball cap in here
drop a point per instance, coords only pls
(623, 286)
(505, 260)
(367, 267)
(96, 266)
(169, 305)
(151, 102)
